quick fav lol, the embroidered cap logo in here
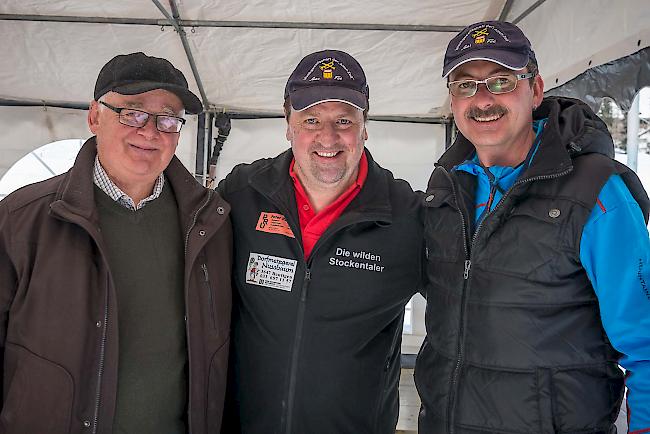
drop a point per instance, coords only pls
(480, 35)
(328, 69)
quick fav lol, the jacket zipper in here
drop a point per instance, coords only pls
(187, 329)
(296, 349)
(291, 393)
(209, 289)
(468, 264)
(62, 211)
(102, 353)
(466, 276)
(299, 326)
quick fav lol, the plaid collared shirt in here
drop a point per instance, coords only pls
(101, 180)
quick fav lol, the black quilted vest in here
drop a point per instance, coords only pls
(514, 338)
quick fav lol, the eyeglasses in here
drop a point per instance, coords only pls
(497, 85)
(138, 119)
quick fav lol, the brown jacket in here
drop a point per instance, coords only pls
(58, 325)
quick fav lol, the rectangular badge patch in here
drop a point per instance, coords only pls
(274, 223)
(270, 271)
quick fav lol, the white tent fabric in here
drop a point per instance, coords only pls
(244, 51)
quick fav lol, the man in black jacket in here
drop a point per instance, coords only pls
(327, 253)
(537, 258)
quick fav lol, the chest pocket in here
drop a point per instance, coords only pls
(443, 228)
(525, 240)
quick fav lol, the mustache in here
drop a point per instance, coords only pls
(495, 110)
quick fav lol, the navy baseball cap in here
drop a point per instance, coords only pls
(495, 41)
(328, 75)
(131, 74)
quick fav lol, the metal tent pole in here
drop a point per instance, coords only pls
(633, 134)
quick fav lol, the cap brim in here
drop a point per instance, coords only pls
(191, 102)
(306, 97)
(504, 58)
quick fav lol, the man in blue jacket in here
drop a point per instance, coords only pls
(538, 258)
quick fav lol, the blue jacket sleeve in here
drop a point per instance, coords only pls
(615, 252)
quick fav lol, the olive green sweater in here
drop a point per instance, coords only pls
(146, 260)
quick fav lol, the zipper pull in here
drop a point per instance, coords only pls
(205, 272)
(468, 265)
(305, 285)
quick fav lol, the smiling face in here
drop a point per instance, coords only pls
(134, 157)
(499, 126)
(327, 142)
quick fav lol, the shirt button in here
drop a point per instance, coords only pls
(202, 232)
(220, 210)
(87, 424)
(305, 207)
(430, 197)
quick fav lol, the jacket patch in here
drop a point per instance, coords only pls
(270, 271)
(274, 223)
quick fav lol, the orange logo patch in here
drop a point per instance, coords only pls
(274, 223)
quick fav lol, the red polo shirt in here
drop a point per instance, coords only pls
(312, 225)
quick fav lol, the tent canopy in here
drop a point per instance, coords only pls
(237, 56)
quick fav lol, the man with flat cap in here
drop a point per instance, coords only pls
(115, 276)
(538, 258)
(327, 253)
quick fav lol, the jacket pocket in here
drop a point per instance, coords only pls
(525, 241)
(495, 400)
(587, 398)
(443, 229)
(38, 394)
(387, 407)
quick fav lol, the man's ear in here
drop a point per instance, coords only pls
(288, 134)
(93, 117)
(538, 90)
